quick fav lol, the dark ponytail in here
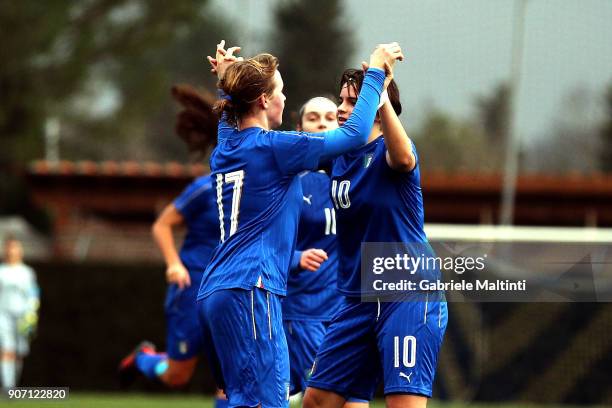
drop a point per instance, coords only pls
(196, 123)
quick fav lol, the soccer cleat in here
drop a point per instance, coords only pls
(128, 372)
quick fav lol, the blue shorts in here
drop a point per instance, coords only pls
(246, 346)
(303, 338)
(397, 343)
(183, 331)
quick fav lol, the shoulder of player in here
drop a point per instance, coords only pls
(318, 177)
(30, 270)
(194, 191)
(205, 182)
(17, 270)
(282, 135)
(240, 138)
(382, 155)
(25, 268)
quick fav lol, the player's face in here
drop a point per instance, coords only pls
(348, 99)
(319, 115)
(13, 252)
(276, 103)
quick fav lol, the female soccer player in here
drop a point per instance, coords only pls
(258, 194)
(377, 196)
(196, 209)
(19, 301)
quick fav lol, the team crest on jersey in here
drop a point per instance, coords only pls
(183, 347)
(367, 160)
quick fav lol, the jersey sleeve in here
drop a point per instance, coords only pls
(294, 267)
(296, 151)
(416, 155)
(224, 129)
(190, 202)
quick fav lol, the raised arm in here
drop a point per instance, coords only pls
(400, 156)
(355, 131)
(219, 64)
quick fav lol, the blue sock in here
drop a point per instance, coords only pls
(220, 403)
(152, 365)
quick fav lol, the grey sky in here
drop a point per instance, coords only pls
(458, 49)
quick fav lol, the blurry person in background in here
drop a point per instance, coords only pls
(19, 302)
(312, 296)
(196, 210)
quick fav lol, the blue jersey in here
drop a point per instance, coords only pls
(198, 206)
(258, 200)
(374, 203)
(313, 295)
(259, 196)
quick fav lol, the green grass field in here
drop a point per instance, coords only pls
(133, 400)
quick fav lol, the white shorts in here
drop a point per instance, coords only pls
(10, 338)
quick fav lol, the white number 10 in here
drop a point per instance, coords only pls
(236, 177)
(340, 193)
(409, 351)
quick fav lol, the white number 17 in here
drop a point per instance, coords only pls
(236, 177)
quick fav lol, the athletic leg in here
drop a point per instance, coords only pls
(8, 351)
(318, 398)
(303, 341)
(405, 401)
(184, 340)
(347, 363)
(8, 372)
(220, 399)
(409, 336)
(249, 345)
(184, 336)
(357, 403)
(179, 372)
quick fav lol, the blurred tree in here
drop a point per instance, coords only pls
(606, 134)
(474, 144)
(572, 143)
(144, 112)
(448, 144)
(52, 51)
(437, 143)
(493, 114)
(104, 68)
(313, 46)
